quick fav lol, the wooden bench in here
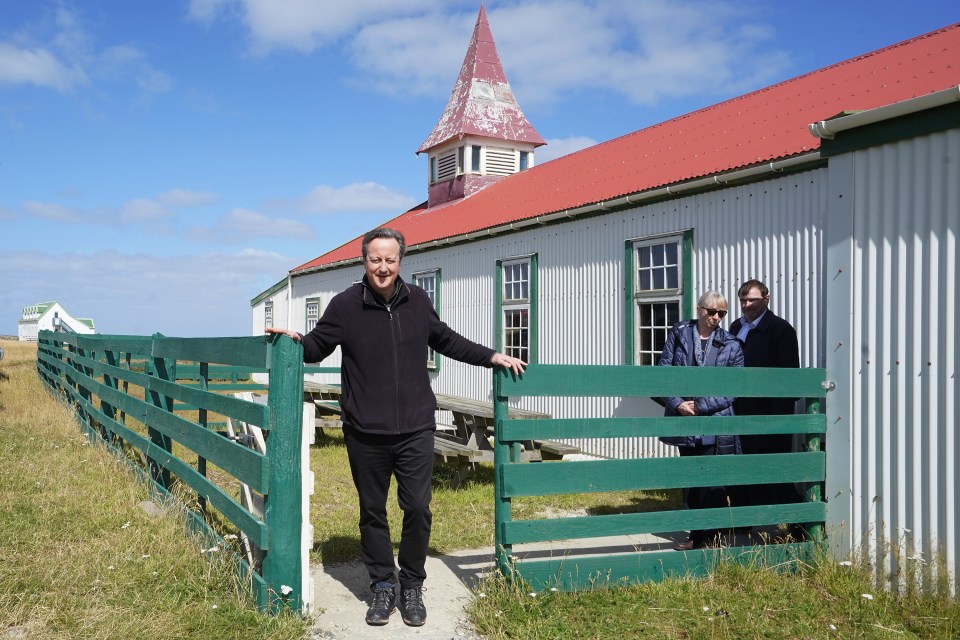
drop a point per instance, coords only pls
(553, 450)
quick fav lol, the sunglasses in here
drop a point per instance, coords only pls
(715, 312)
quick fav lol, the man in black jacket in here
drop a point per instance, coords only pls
(768, 341)
(383, 327)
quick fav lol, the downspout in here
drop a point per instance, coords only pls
(828, 129)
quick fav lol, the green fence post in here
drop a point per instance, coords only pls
(813, 493)
(283, 564)
(166, 370)
(502, 507)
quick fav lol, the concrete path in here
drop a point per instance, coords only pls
(342, 595)
(342, 592)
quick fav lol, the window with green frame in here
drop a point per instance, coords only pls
(313, 313)
(429, 281)
(659, 279)
(517, 307)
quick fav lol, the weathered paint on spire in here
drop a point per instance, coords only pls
(482, 102)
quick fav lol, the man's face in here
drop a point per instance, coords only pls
(383, 265)
(753, 304)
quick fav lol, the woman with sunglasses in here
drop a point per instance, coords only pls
(702, 343)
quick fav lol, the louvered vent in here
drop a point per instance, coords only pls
(501, 161)
(447, 166)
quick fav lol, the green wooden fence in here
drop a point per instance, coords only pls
(96, 372)
(567, 571)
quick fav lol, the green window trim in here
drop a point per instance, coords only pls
(629, 288)
(534, 311)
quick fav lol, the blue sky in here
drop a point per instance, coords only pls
(162, 163)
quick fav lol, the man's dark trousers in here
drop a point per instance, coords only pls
(373, 460)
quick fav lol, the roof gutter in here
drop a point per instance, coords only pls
(828, 129)
(717, 180)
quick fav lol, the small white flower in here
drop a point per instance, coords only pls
(145, 556)
(483, 595)
(286, 590)
(533, 594)
(230, 536)
(554, 589)
(846, 563)
(110, 568)
(212, 549)
(833, 627)
(706, 608)
(126, 525)
(153, 573)
(866, 596)
(214, 607)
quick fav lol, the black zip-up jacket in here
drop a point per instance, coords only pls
(384, 377)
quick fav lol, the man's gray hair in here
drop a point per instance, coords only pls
(385, 233)
(712, 300)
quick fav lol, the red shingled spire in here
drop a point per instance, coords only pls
(482, 102)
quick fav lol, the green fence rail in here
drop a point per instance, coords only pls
(113, 379)
(567, 571)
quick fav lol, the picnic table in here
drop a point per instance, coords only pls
(465, 442)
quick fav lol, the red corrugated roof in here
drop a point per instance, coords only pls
(759, 127)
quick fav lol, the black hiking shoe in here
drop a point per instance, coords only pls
(412, 610)
(383, 600)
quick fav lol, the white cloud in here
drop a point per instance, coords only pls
(242, 225)
(645, 51)
(53, 212)
(36, 66)
(557, 147)
(303, 25)
(359, 196)
(187, 198)
(185, 295)
(61, 53)
(143, 210)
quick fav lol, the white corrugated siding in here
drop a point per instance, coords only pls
(768, 230)
(903, 444)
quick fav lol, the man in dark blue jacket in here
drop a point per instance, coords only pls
(383, 327)
(768, 341)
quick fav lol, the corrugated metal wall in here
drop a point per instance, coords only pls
(904, 449)
(768, 230)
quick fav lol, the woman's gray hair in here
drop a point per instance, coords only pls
(712, 300)
(385, 233)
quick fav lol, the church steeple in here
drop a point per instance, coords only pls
(483, 134)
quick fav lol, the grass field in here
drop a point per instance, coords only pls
(80, 558)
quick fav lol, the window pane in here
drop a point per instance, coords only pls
(658, 279)
(671, 250)
(673, 278)
(644, 257)
(645, 281)
(657, 251)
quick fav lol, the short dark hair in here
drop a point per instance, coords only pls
(753, 284)
(385, 233)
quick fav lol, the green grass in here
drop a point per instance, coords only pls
(827, 600)
(80, 559)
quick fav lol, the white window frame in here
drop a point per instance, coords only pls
(268, 314)
(515, 305)
(657, 281)
(429, 281)
(312, 313)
